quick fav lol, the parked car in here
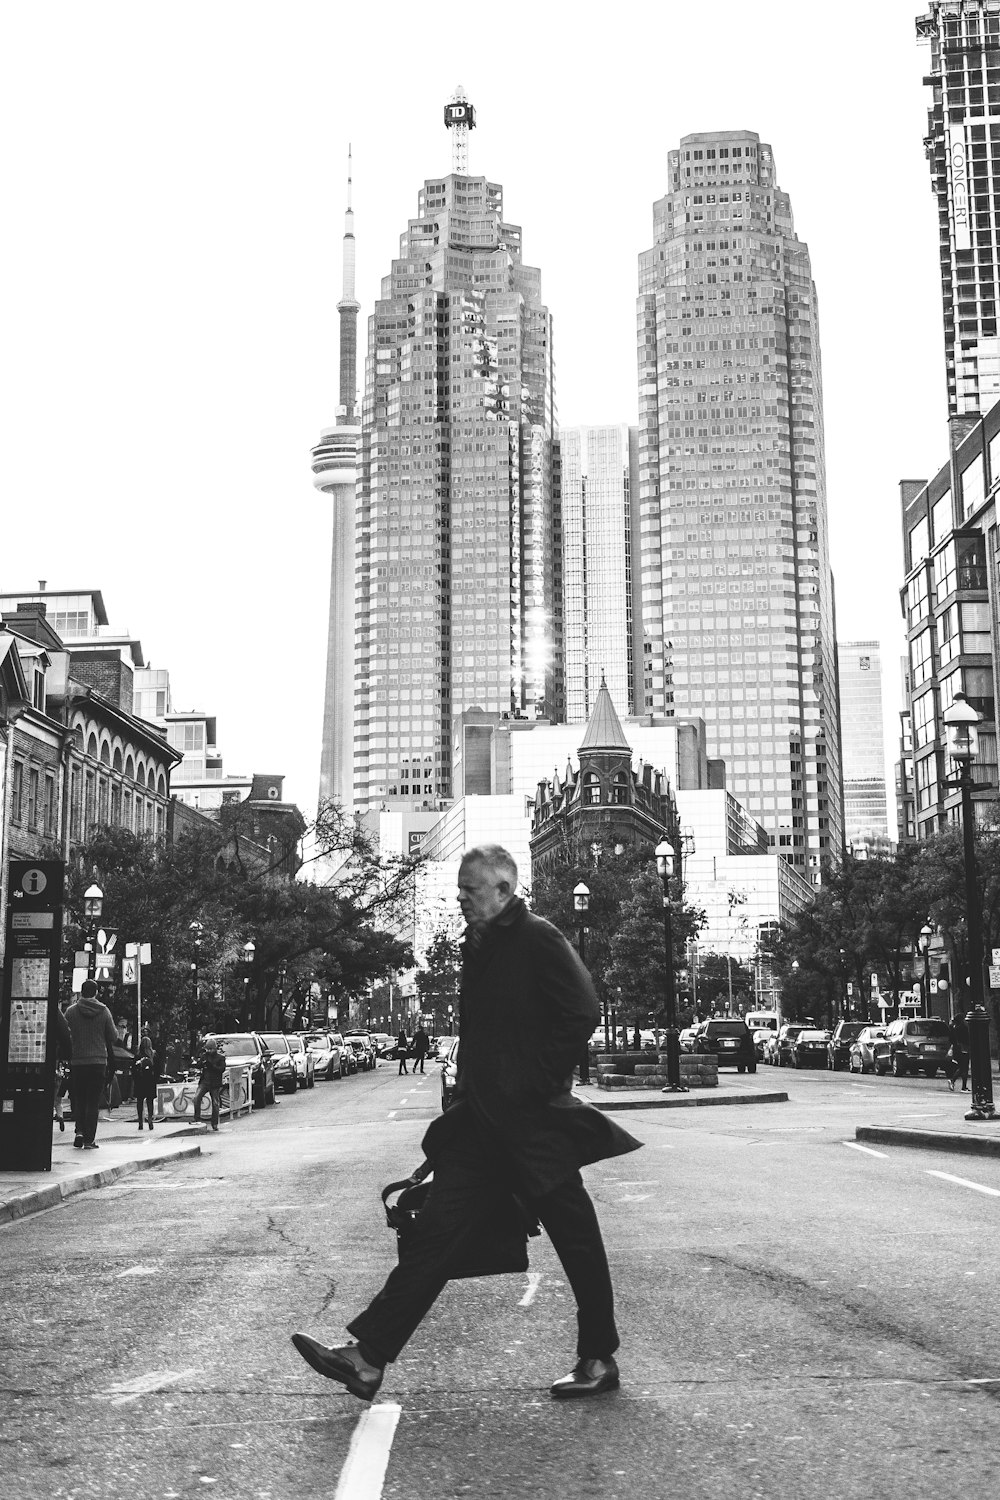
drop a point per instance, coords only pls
(770, 1052)
(762, 1020)
(382, 1041)
(809, 1048)
(869, 1052)
(348, 1056)
(783, 1043)
(305, 1066)
(284, 1064)
(731, 1041)
(449, 1070)
(917, 1046)
(245, 1049)
(362, 1052)
(686, 1038)
(760, 1038)
(326, 1054)
(839, 1047)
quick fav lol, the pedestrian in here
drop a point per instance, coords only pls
(527, 1007)
(402, 1051)
(144, 1076)
(93, 1035)
(64, 1052)
(421, 1047)
(958, 1052)
(211, 1066)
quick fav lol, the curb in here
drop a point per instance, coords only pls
(49, 1197)
(682, 1101)
(930, 1140)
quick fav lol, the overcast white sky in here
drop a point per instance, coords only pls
(173, 188)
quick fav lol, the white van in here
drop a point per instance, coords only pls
(761, 1020)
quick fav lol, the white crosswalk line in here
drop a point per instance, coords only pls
(363, 1474)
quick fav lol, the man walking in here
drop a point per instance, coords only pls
(527, 1007)
(211, 1070)
(421, 1047)
(94, 1038)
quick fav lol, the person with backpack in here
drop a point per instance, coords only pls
(94, 1038)
(144, 1076)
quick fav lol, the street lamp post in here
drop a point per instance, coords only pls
(963, 744)
(93, 905)
(581, 905)
(923, 943)
(665, 869)
(195, 930)
(249, 949)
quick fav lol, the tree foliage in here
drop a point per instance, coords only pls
(341, 935)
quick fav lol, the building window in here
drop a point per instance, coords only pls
(51, 816)
(34, 806)
(17, 792)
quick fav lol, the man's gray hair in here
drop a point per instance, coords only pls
(496, 859)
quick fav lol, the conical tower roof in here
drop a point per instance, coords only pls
(604, 730)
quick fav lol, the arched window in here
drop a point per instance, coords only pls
(92, 746)
(117, 758)
(105, 753)
(129, 767)
(591, 788)
(619, 791)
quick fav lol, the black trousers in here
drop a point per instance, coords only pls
(145, 1094)
(86, 1084)
(460, 1198)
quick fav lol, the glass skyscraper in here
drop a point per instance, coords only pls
(963, 148)
(458, 540)
(599, 614)
(866, 819)
(735, 581)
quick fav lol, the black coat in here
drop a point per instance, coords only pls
(526, 1011)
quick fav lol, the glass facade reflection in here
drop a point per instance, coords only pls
(599, 618)
(735, 582)
(458, 540)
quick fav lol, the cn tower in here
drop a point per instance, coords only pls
(334, 466)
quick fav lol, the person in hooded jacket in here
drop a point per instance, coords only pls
(526, 1009)
(94, 1039)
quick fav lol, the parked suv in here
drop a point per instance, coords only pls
(838, 1050)
(245, 1049)
(731, 1041)
(284, 1064)
(917, 1046)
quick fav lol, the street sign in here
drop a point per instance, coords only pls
(995, 976)
(996, 958)
(106, 961)
(129, 970)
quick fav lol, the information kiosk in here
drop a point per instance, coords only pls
(28, 1028)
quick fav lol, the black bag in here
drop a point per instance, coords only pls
(503, 1248)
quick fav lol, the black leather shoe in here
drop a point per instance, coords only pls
(589, 1377)
(345, 1364)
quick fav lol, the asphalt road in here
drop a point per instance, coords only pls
(800, 1317)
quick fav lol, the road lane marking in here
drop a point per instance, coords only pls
(137, 1271)
(866, 1149)
(363, 1474)
(534, 1282)
(635, 1197)
(391, 1115)
(977, 1187)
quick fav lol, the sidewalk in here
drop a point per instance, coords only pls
(122, 1150)
(730, 1092)
(966, 1137)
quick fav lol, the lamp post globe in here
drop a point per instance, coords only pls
(960, 722)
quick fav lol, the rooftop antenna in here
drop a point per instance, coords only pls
(460, 118)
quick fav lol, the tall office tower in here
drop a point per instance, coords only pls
(963, 148)
(735, 581)
(599, 612)
(334, 466)
(459, 551)
(866, 820)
